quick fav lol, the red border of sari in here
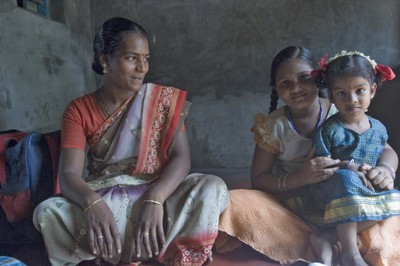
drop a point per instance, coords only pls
(162, 111)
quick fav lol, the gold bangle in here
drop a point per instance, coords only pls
(152, 201)
(90, 205)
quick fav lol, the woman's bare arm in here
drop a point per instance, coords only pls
(381, 176)
(73, 186)
(149, 229)
(175, 171)
(99, 219)
(262, 178)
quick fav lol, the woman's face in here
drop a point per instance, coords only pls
(295, 85)
(128, 66)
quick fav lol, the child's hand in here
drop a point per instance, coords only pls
(362, 171)
(365, 167)
(365, 180)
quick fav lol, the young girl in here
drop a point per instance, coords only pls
(347, 200)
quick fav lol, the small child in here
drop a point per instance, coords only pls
(347, 201)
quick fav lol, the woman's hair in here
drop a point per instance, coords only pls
(109, 37)
(350, 65)
(291, 52)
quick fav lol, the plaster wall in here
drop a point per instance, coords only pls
(43, 67)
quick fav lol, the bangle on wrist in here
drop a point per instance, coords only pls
(152, 202)
(388, 167)
(348, 165)
(91, 204)
(282, 182)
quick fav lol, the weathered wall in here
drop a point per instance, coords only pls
(220, 52)
(42, 68)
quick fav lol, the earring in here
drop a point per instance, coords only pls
(104, 69)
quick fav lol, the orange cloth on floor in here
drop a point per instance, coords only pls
(259, 220)
(380, 244)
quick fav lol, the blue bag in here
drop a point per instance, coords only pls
(28, 175)
(25, 168)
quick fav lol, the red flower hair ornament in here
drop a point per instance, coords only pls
(385, 72)
(320, 72)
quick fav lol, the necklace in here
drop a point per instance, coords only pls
(321, 111)
(103, 100)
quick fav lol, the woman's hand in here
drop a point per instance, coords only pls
(149, 230)
(319, 168)
(103, 235)
(102, 232)
(380, 177)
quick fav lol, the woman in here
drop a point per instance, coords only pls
(283, 161)
(137, 203)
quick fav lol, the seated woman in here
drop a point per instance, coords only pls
(283, 162)
(137, 202)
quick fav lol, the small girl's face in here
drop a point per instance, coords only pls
(352, 95)
(295, 85)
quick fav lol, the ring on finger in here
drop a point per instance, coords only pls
(99, 237)
(146, 234)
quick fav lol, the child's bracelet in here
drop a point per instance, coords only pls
(348, 165)
(91, 204)
(389, 167)
(152, 201)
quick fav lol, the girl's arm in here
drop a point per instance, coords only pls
(314, 170)
(381, 176)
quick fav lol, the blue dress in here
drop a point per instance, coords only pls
(343, 198)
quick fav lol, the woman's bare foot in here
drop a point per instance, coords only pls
(353, 260)
(323, 248)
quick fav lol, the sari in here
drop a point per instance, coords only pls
(127, 154)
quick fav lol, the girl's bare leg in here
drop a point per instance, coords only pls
(323, 247)
(361, 226)
(347, 234)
